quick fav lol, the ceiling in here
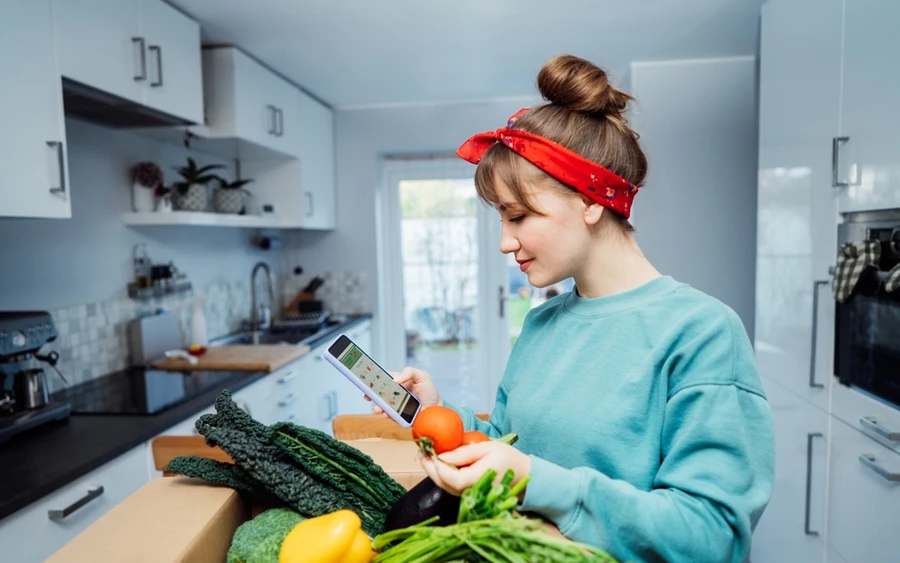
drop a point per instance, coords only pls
(361, 53)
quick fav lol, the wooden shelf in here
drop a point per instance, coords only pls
(204, 219)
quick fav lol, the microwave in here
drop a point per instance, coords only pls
(867, 326)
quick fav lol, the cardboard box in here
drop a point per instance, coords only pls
(182, 520)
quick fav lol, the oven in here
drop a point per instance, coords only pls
(867, 322)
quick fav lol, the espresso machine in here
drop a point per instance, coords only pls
(24, 395)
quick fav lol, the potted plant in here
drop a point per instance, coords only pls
(192, 192)
(163, 198)
(230, 197)
(146, 176)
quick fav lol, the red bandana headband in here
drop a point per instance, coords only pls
(594, 181)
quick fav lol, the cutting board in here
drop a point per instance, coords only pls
(238, 357)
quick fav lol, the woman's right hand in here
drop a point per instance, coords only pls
(418, 383)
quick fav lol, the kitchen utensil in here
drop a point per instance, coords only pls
(238, 357)
(313, 285)
(30, 389)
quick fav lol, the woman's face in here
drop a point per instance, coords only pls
(550, 247)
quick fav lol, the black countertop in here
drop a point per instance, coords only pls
(42, 460)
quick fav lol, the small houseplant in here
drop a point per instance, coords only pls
(230, 197)
(192, 192)
(146, 176)
(163, 198)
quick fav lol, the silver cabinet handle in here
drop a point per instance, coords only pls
(815, 333)
(159, 66)
(139, 41)
(869, 461)
(288, 400)
(332, 405)
(310, 196)
(835, 144)
(61, 162)
(279, 122)
(273, 120)
(289, 376)
(93, 492)
(809, 446)
(871, 423)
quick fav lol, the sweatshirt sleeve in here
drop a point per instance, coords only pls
(715, 479)
(496, 426)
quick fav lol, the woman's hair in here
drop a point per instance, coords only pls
(586, 115)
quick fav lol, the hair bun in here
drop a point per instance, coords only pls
(579, 85)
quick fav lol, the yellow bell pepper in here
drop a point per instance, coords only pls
(331, 538)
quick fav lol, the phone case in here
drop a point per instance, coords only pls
(395, 416)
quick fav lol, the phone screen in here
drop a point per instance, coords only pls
(373, 376)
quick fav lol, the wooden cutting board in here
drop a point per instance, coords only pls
(238, 357)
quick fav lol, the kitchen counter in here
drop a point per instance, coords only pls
(42, 460)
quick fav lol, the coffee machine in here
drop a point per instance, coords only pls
(24, 395)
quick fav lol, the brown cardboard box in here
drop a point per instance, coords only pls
(181, 520)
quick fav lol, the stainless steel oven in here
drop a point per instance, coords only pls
(867, 326)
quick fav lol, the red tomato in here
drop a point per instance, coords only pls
(441, 425)
(474, 436)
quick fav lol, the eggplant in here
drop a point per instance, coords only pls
(420, 503)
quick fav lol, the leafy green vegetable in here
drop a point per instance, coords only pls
(217, 472)
(259, 540)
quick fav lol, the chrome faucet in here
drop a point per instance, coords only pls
(256, 323)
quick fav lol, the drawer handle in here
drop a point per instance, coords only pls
(815, 335)
(809, 453)
(93, 492)
(289, 399)
(289, 376)
(835, 143)
(871, 423)
(869, 461)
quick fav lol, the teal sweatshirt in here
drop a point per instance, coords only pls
(647, 427)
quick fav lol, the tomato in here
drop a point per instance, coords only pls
(474, 436)
(441, 425)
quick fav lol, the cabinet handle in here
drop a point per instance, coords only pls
(61, 162)
(332, 405)
(279, 121)
(310, 196)
(159, 66)
(809, 445)
(835, 144)
(93, 492)
(273, 120)
(288, 400)
(815, 334)
(289, 376)
(871, 423)
(869, 461)
(139, 41)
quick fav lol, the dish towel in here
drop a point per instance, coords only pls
(853, 259)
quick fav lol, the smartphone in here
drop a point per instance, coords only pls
(373, 380)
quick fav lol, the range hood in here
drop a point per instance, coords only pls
(91, 104)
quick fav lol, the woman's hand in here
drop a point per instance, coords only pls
(419, 384)
(473, 461)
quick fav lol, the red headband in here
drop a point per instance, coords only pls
(594, 181)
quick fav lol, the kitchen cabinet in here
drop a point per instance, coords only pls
(143, 51)
(37, 531)
(864, 497)
(876, 419)
(33, 152)
(868, 160)
(792, 528)
(317, 173)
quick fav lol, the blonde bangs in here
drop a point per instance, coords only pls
(501, 165)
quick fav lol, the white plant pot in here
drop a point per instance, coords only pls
(142, 198)
(228, 201)
(164, 204)
(196, 198)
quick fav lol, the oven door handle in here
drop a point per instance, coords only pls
(871, 423)
(815, 333)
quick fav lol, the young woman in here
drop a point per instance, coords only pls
(641, 418)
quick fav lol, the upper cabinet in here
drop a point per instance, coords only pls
(317, 165)
(33, 152)
(143, 51)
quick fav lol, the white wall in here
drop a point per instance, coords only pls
(51, 263)
(697, 214)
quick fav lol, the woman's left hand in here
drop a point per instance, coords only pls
(473, 461)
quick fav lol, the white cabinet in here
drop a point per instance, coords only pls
(869, 160)
(870, 416)
(33, 148)
(246, 101)
(144, 51)
(317, 174)
(864, 497)
(797, 237)
(37, 531)
(792, 528)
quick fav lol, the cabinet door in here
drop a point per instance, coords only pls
(259, 97)
(799, 109)
(870, 416)
(871, 87)
(864, 502)
(101, 45)
(174, 73)
(792, 528)
(33, 152)
(31, 536)
(317, 165)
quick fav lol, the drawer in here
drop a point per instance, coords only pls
(871, 416)
(31, 536)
